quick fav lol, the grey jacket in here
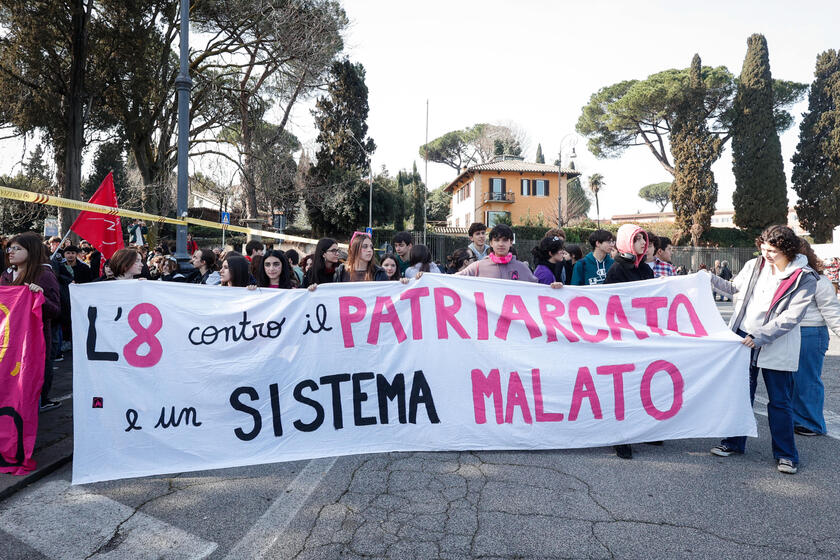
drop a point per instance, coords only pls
(778, 339)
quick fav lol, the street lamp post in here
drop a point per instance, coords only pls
(183, 83)
(370, 178)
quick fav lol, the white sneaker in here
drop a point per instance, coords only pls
(786, 466)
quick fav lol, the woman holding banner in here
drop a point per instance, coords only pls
(275, 272)
(29, 267)
(771, 296)
(324, 263)
(235, 272)
(361, 265)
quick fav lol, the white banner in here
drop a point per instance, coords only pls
(172, 377)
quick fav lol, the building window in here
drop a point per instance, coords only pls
(497, 185)
(541, 187)
(526, 187)
(467, 195)
(494, 218)
(457, 222)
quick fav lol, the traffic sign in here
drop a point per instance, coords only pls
(225, 218)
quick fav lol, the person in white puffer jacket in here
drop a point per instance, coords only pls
(821, 315)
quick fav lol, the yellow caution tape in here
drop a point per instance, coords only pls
(38, 198)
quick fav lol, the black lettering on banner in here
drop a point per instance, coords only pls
(319, 410)
(275, 409)
(187, 414)
(239, 331)
(421, 393)
(131, 417)
(255, 414)
(320, 318)
(18, 421)
(92, 353)
(359, 397)
(336, 381)
(389, 391)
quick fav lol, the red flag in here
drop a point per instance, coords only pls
(102, 230)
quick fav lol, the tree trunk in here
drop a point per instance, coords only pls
(248, 160)
(74, 113)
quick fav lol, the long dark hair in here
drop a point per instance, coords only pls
(782, 238)
(458, 259)
(285, 280)
(547, 247)
(209, 258)
(37, 256)
(318, 263)
(421, 255)
(813, 260)
(393, 257)
(239, 275)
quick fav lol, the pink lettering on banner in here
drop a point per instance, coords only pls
(589, 305)
(539, 410)
(550, 310)
(585, 389)
(617, 371)
(489, 386)
(676, 380)
(516, 397)
(413, 295)
(347, 317)
(651, 305)
(144, 335)
(483, 332)
(385, 312)
(446, 313)
(513, 309)
(617, 320)
(682, 299)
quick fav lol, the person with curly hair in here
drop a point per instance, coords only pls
(772, 293)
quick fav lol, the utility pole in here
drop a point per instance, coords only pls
(426, 175)
(183, 83)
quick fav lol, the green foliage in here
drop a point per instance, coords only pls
(694, 191)
(452, 149)
(760, 197)
(418, 189)
(16, 216)
(439, 204)
(640, 112)
(579, 203)
(540, 158)
(816, 163)
(476, 144)
(657, 193)
(336, 196)
(109, 158)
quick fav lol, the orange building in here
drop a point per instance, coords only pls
(507, 187)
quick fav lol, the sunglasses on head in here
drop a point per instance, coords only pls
(358, 233)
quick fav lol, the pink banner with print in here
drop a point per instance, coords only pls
(21, 376)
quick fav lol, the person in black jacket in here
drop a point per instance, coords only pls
(629, 266)
(324, 263)
(361, 262)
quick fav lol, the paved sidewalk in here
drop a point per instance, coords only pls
(54, 445)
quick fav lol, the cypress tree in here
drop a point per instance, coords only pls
(419, 190)
(540, 157)
(816, 164)
(760, 197)
(694, 190)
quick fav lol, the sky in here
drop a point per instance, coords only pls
(535, 64)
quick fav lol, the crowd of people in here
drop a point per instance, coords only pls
(784, 303)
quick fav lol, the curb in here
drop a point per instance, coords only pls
(49, 460)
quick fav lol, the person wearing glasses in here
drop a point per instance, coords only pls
(324, 263)
(28, 266)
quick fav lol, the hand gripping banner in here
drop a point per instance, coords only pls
(173, 377)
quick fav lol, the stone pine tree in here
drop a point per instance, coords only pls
(695, 149)
(337, 193)
(760, 197)
(540, 157)
(816, 163)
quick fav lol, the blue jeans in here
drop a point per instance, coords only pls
(808, 393)
(779, 386)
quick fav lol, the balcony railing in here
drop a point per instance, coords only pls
(498, 196)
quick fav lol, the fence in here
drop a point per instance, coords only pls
(692, 257)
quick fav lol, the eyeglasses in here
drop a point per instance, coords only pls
(14, 249)
(331, 251)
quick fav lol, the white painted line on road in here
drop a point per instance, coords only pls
(832, 419)
(61, 521)
(273, 523)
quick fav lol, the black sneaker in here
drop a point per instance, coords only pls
(49, 405)
(59, 358)
(724, 451)
(623, 451)
(803, 431)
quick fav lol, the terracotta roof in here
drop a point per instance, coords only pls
(512, 165)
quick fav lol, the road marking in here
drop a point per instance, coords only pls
(273, 523)
(832, 419)
(63, 521)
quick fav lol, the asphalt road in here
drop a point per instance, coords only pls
(674, 501)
